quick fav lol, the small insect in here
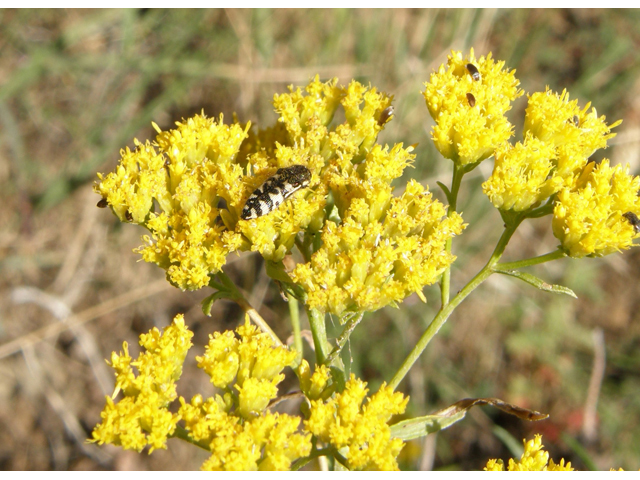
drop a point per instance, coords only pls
(128, 216)
(633, 220)
(575, 120)
(473, 70)
(471, 99)
(275, 190)
(102, 203)
(386, 114)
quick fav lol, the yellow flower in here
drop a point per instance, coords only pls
(304, 113)
(365, 264)
(594, 218)
(360, 429)
(576, 134)
(521, 175)
(314, 386)
(186, 173)
(254, 361)
(534, 459)
(469, 128)
(142, 417)
(553, 118)
(268, 442)
(558, 140)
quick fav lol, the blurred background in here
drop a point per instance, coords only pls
(76, 86)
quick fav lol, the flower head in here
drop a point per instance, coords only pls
(142, 417)
(469, 108)
(347, 422)
(521, 175)
(559, 138)
(594, 218)
(187, 172)
(534, 459)
(240, 432)
(367, 262)
(253, 361)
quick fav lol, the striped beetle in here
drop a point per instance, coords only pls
(275, 190)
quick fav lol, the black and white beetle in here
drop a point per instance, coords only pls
(275, 190)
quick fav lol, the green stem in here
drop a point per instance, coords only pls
(294, 313)
(448, 309)
(531, 261)
(344, 337)
(248, 309)
(456, 181)
(319, 333)
(184, 435)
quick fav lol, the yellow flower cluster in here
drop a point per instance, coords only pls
(468, 104)
(266, 442)
(559, 138)
(253, 361)
(236, 427)
(590, 219)
(359, 429)
(174, 188)
(189, 187)
(142, 417)
(367, 262)
(595, 206)
(534, 459)
(375, 248)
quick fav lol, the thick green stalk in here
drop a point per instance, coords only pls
(319, 334)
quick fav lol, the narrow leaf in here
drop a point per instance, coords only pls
(537, 282)
(207, 303)
(445, 190)
(419, 427)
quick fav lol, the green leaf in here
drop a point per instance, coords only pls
(421, 426)
(445, 190)
(536, 282)
(207, 303)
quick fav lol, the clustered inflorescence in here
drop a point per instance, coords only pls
(189, 189)
(237, 426)
(534, 459)
(206, 189)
